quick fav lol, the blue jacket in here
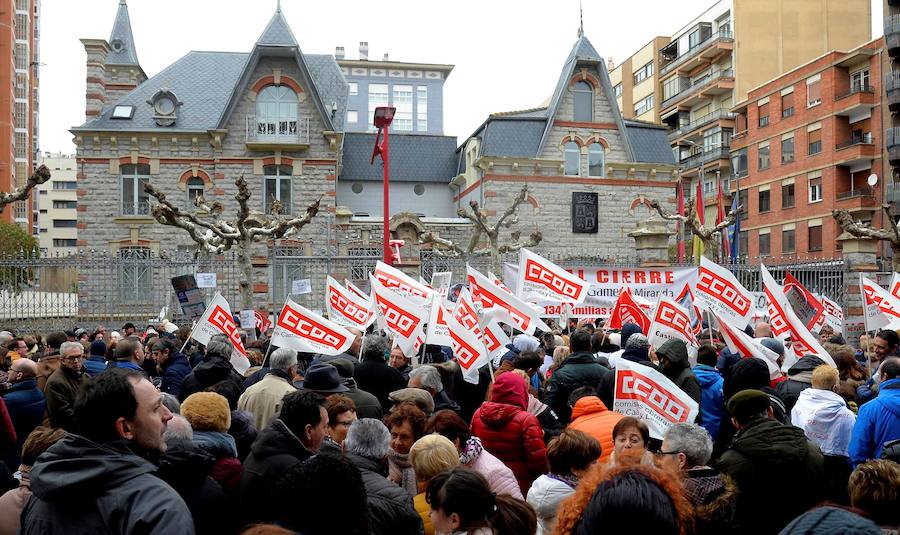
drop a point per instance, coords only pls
(712, 401)
(95, 364)
(878, 422)
(26, 405)
(174, 371)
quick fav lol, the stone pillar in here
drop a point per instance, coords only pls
(651, 242)
(859, 257)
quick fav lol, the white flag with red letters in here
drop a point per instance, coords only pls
(394, 279)
(355, 289)
(719, 291)
(499, 282)
(881, 308)
(742, 344)
(346, 308)
(834, 314)
(894, 287)
(519, 314)
(437, 331)
(218, 320)
(488, 328)
(467, 348)
(303, 330)
(670, 321)
(402, 317)
(542, 281)
(647, 394)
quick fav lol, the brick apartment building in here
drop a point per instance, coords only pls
(806, 143)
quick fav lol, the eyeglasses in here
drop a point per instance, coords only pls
(345, 424)
(73, 357)
(660, 453)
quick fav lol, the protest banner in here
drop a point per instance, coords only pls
(518, 313)
(346, 308)
(467, 348)
(218, 320)
(494, 337)
(717, 290)
(894, 287)
(440, 282)
(353, 288)
(262, 321)
(686, 300)
(671, 321)
(882, 310)
(834, 314)
(394, 279)
(805, 305)
(627, 310)
(403, 318)
(303, 330)
(437, 331)
(741, 343)
(645, 393)
(542, 281)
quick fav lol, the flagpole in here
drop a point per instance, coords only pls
(862, 294)
(190, 334)
(266, 357)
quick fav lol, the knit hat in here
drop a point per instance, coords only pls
(98, 347)
(323, 378)
(420, 397)
(627, 330)
(207, 411)
(773, 344)
(746, 403)
(831, 520)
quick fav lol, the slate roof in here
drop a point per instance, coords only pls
(331, 84)
(650, 142)
(414, 158)
(513, 137)
(121, 31)
(277, 32)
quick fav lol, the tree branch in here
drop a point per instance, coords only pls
(511, 210)
(169, 212)
(654, 205)
(279, 228)
(862, 230)
(533, 239)
(40, 175)
(445, 247)
(476, 217)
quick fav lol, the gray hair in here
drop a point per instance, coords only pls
(368, 438)
(178, 428)
(69, 346)
(691, 440)
(5, 337)
(374, 345)
(637, 341)
(431, 377)
(218, 349)
(283, 358)
(171, 402)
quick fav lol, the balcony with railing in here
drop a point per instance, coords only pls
(856, 139)
(714, 82)
(856, 199)
(287, 134)
(892, 90)
(892, 34)
(860, 148)
(892, 144)
(857, 99)
(695, 160)
(706, 51)
(718, 115)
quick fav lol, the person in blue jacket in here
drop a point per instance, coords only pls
(173, 365)
(878, 421)
(712, 401)
(26, 405)
(96, 361)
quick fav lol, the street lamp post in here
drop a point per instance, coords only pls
(384, 115)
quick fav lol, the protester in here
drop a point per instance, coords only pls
(49, 362)
(373, 374)
(762, 329)
(429, 456)
(462, 503)
(173, 365)
(879, 420)
(401, 363)
(243, 431)
(712, 398)
(510, 432)
(570, 455)
(406, 424)
(885, 344)
(420, 398)
(263, 399)
(546, 417)
(874, 488)
(590, 415)
(390, 507)
(631, 440)
(130, 354)
(831, 521)
(852, 373)
(63, 386)
(472, 453)
(429, 378)
(579, 369)
(215, 368)
(13, 501)
(210, 418)
(96, 361)
(25, 404)
(341, 415)
(367, 405)
(120, 415)
(673, 360)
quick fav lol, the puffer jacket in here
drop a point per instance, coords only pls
(591, 416)
(499, 477)
(579, 369)
(799, 379)
(186, 469)
(545, 496)
(390, 507)
(878, 422)
(208, 373)
(510, 432)
(679, 370)
(174, 370)
(227, 469)
(712, 400)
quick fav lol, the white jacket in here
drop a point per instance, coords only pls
(544, 496)
(824, 417)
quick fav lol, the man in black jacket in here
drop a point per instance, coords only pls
(215, 368)
(579, 369)
(799, 379)
(374, 375)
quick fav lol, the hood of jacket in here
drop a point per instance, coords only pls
(588, 405)
(769, 442)
(676, 351)
(212, 371)
(707, 376)
(634, 354)
(510, 389)
(495, 414)
(890, 389)
(184, 464)
(277, 439)
(545, 495)
(805, 365)
(77, 469)
(176, 358)
(627, 330)
(216, 443)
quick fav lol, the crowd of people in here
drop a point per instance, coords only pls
(149, 432)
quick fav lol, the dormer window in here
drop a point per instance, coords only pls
(584, 102)
(276, 113)
(165, 106)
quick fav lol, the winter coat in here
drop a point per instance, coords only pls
(424, 509)
(510, 432)
(61, 389)
(375, 376)
(11, 505)
(263, 399)
(367, 405)
(824, 417)
(544, 496)
(95, 364)
(878, 422)
(778, 472)
(186, 468)
(579, 369)
(390, 507)
(591, 416)
(26, 405)
(714, 497)
(227, 469)
(174, 370)
(207, 374)
(499, 477)
(712, 401)
(274, 452)
(799, 379)
(679, 370)
(548, 419)
(100, 488)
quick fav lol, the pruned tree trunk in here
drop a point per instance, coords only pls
(890, 233)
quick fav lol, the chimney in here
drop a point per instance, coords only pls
(95, 95)
(364, 50)
(610, 64)
(338, 52)
(385, 57)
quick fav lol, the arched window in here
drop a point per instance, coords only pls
(596, 160)
(584, 102)
(276, 112)
(573, 158)
(195, 189)
(278, 187)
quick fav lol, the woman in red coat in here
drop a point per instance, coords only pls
(510, 432)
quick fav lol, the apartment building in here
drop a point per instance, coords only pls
(635, 82)
(806, 143)
(57, 207)
(891, 112)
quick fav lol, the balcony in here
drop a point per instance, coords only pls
(858, 149)
(859, 199)
(892, 90)
(892, 34)
(892, 197)
(864, 139)
(858, 99)
(716, 82)
(705, 52)
(892, 144)
(718, 153)
(277, 135)
(718, 115)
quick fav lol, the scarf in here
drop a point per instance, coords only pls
(471, 451)
(401, 472)
(568, 479)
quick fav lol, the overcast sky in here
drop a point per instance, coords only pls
(507, 54)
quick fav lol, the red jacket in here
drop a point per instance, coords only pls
(511, 433)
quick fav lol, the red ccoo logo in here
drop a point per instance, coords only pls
(297, 323)
(538, 274)
(722, 290)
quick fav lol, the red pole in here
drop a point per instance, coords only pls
(385, 157)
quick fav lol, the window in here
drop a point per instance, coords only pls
(763, 110)
(65, 205)
(65, 242)
(584, 102)
(744, 201)
(352, 116)
(354, 88)
(278, 187)
(378, 96)
(422, 108)
(195, 188)
(764, 201)
(787, 148)
(644, 105)
(763, 160)
(859, 81)
(135, 201)
(123, 112)
(674, 85)
(744, 243)
(64, 185)
(403, 101)
(617, 90)
(814, 140)
(135, 274)
(787, 195)
(815, 237)
(765, 244)
(596, 160)
(694, 39)
(572, 158)
(787, 241)
(787, 104)
(815, 186)
(739, 162)
(814, 90)
(64, 223)
(643, 73)
(276, 112)
(419, 189)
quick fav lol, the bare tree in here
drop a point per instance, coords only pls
(482, 229)
(692, 221)
(40, 175)
(219, 235)
(859, 229)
